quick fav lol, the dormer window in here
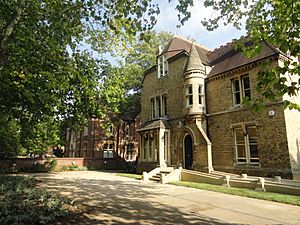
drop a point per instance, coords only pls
(162, 66)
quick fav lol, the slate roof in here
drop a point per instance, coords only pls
(179, 44)
(194, 61)
(222, 59)
(226, 58)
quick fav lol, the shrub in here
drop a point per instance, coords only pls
(74, 168)
(22, 203)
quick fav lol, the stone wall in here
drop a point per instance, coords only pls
(170, 85)
(271, 130)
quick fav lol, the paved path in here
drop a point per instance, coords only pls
(110, 199)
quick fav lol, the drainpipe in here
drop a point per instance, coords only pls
(209, 153)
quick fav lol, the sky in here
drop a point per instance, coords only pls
(167, 21)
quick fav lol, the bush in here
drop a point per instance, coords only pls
(73, 168)
(47, 166)
(22, 203)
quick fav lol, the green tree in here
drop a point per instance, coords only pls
(45, 77)
(9, 137)
(140, 56)
(276, 22)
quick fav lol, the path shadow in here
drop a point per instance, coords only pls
(119, 202)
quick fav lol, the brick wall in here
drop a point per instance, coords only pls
(20, 163)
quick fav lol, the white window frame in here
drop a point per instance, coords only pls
(110, 130)
(241, 93)
(201, 98)
(129, 152)
(248, 159)
(189, 95)
(158, 106)
(108, 150)
(127, 130)
(158, 111)
(162, 66)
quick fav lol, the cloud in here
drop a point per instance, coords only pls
(167, 21)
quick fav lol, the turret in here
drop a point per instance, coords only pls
(194, 75)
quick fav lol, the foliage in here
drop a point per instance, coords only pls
(140, 55)
(9, 137)
(47, 166)
(46, 80)
(282, 198)
(22, 203)
(73, 168)
(274, 22)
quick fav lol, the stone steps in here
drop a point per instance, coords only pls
(157, 177)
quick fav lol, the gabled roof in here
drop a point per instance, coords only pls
(226, 58)
(222, 59)
(180, 44)
(150, 125)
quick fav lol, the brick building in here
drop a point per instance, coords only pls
(113, 145)
(192, 114)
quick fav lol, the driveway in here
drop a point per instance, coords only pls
(110, 199)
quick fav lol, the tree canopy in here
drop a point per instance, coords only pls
(46, 78)
(276, 22)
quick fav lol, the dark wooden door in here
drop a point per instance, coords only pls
(188, 152)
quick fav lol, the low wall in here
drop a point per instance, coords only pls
(284, 186)
(199, 177)
(16, 164)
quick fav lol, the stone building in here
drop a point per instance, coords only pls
(192, 114)
(112, 145)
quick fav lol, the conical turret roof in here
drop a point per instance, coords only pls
(194, 62)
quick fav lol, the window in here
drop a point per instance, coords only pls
(108, 150)
(162, 66)
(150, 146)
(110, 130)
(152, 108)
(241, 89)
(158, 106)
(127, 130)
(145, 141)
(164, 105)
(246, 145)
(129, 152)
(200, 95)
(189, 95)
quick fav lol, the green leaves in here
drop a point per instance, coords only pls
(46, 79)
(274, 22)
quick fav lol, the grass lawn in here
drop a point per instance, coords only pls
(275, 197)
(130, 175)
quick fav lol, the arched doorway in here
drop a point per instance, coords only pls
(188, 152)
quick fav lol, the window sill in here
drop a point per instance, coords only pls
(247, 165)
(162, 76)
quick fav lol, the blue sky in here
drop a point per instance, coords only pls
(167, 21)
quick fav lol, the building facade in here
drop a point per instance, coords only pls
(111, 146)
(192, 114)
